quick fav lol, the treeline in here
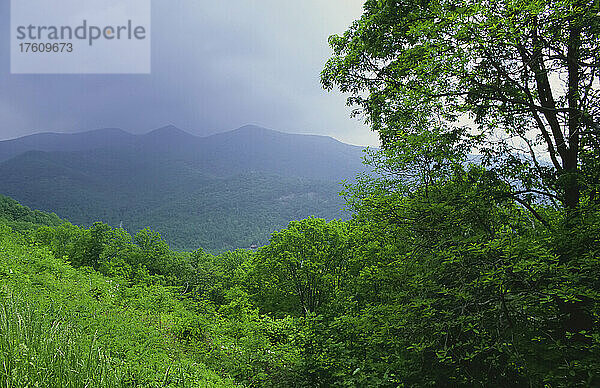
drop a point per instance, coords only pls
(23, 218)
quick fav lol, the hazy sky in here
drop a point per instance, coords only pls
(216, 65)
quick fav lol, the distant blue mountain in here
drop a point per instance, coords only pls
(108, 137)
(247, 149)
(224, 191)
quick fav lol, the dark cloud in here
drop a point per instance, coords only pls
(215, 66)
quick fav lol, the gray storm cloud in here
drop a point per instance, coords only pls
(215, 66)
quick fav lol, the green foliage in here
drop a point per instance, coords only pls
(472, 275)
(454, 270)
(22, 218)
(39, 350)
(456, 287)
(302, 267)
(102, 325)
(214, 275)
(443, 283)
(515, 81)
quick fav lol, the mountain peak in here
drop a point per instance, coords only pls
(255, 129)
(102, 131)
(169, 130)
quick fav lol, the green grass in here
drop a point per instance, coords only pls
(67, 327)
(40, 350)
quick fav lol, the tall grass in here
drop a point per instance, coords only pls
(39, 349)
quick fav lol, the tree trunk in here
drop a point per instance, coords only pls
(574, 119)
(577, 317)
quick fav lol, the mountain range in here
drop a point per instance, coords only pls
(224, 191)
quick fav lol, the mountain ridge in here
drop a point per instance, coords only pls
(36, 138)
(223, 191)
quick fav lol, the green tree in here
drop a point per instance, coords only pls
(98, 237)
(449, 288)
(474, 276)
(525, 73)
(301, 268)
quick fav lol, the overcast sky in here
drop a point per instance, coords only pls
(216, 65)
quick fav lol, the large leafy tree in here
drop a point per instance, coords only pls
(300, 270)
(513, 85)
(515, 81)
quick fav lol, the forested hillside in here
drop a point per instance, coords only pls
(221, 192)
(22, 218)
